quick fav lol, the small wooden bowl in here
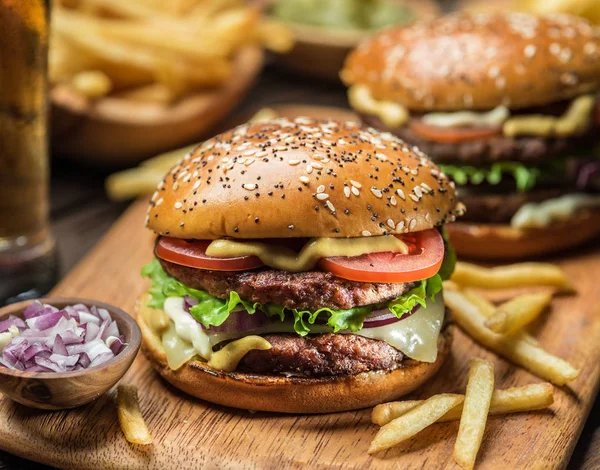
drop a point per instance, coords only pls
(118, 132)
(58, 391)
(320, 52)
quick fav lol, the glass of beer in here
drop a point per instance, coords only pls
(27, 251)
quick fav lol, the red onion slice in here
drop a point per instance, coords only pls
(53, 340)
(385, 317)
(240, 321)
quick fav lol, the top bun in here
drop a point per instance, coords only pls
(301, 178)
(479, 61)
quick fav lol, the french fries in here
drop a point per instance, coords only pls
(514, 348)
(130, 417)
(512, 400)
(414, 421)
(514, 275)
(475, 411)
(487, 309)
(183, 45)
(518, 312)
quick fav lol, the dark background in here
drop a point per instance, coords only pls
(81, 213)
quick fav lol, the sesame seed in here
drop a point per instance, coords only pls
(320, 189)
(330, 206)
(400, 225)
(366, 233)
(355, 191)
(530, 50)
(249, 187)
(175, 186)
(418, 192)
(196, 185)
(346, 191)
(376, 192)
(294, 162)
(414, 171)
(304, 179)
(178, 205)
(391, 224)
(291, 227)
(413, 197)
(393, 201)
(400, 193)
(322, 196)
(248, 153)
(426, 187)
(317, 165)
(249, 161)
(309, 169)
(356, 184)
(413, 223)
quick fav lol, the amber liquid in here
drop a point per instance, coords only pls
(27, 261)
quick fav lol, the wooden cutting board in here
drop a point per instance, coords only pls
(191, 434)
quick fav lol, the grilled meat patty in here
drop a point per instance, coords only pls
(529, 150)
(499, 208)
(321, 355)
(307, 290)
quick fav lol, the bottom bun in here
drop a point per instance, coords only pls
(291, 394)
(496, 242)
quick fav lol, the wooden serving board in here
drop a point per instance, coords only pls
(191, 434)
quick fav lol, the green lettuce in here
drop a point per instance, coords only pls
(212, 311)
(525, 177)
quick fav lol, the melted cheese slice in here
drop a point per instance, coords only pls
(542, 214)
(416, 336)
(495, 117)
(391, 114)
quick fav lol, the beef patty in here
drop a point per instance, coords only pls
(324, 355)
(499, 208)
(307, 290)
(529, 150)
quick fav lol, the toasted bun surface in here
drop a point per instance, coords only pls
(479, 61)
(302, 178)
(291, 394)
(498, 242)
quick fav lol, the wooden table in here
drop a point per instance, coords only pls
(81, 214)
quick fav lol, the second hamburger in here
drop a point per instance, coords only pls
(506, 104)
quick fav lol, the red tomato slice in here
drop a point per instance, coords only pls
(193, 254)
(452, 134)
(426, 254)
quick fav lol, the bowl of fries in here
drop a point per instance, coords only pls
(130, 79)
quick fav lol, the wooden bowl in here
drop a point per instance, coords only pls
(58, 391)
(114, 131)
(320, 52)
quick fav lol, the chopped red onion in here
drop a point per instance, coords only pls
(12, 320)
(54, 340)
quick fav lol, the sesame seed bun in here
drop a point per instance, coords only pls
(302, 178)
(258, 392)
(479, 61)
(503, 242)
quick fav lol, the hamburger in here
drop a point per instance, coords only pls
(298, 268)
(506, 104)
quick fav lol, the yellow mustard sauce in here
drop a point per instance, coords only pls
(279, 257)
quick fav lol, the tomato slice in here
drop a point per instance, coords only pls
(192, 253)
(452, 134)
(425, 256)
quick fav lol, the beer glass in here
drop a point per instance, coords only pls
(27, 251)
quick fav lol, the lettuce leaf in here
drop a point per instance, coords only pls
(525, 177)
(212, 311)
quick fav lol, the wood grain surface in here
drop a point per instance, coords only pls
(192, 434)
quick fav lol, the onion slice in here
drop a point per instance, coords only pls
(54, 340)
(385, 317)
